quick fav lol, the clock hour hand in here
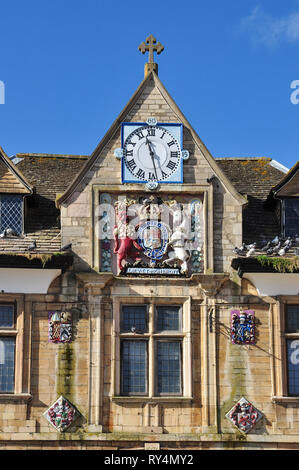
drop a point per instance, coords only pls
(151, 154)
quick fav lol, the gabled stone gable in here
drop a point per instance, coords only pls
(11, 180)
(104, 168)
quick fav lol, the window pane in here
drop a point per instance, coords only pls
(292, 317)
(134, 318)
(291, 216)
(293, 367)
(134, 367)
(6, 316)
(11, 213)
(169, 367)
(168, 318)
(7, 364)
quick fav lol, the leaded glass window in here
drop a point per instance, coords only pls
(292, 318)
(151, 339)
(11, 213)
(7, 364)
(134, 318)
(134, 367)
(169, 367)
(168, 318)
(291, 216)
(6, 316)
(292, 347)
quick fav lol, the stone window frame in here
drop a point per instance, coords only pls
(22, 347)
(279, 355)
(184, 335)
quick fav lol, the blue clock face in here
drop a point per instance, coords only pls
(152, 153)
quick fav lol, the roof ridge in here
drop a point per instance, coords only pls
(243, 158)
(50, 155)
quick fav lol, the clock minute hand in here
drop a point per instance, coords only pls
(152, 155)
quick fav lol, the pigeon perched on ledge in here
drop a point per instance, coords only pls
(240, 251)
(32, 246)
(66, 247)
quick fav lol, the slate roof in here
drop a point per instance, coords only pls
(254, 177)
(49, 175)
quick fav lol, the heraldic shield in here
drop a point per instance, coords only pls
(153, 238)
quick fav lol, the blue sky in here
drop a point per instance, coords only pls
(69, 67)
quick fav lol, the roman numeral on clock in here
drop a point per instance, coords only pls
(129, 153)
(151, 176)
(151, 131)
(172, 142)
(140, 173)
(140, 135)
(131, 164)
(171, 165)
(174, 154)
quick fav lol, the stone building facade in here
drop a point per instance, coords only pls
(103, 350)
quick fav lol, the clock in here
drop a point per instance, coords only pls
(152, 153)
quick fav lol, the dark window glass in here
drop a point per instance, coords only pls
(134, 367)
(168, 318)
(169, 367)
(291, 216)
(6, 316)
(7, 364)
(11, 213)
(293, 366)
(134, 318)
(292, 318)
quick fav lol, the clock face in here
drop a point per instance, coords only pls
(151, 153)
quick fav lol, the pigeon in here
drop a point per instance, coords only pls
(252, 245)
(3, 234)
(250, 252)
(240, 251)
(32, 246)
(283, 250)
(288, 242)
(276, 248)
(266, 247)
(66, 247)
(275, 240)
(10, 231)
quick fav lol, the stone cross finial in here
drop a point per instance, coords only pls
(150, 45)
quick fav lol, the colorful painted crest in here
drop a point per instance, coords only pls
(242, 327)
(153, 237)
(60, 327)
(61, 414)
(244, 415)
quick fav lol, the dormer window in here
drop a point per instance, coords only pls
(11, 214)
(290, 216)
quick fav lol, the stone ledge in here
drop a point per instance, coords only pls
(131, 437)
(15, 397)
(151, 400)
(294, 400)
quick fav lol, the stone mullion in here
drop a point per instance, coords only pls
(95, 370)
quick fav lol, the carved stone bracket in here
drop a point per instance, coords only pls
(210, 284)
